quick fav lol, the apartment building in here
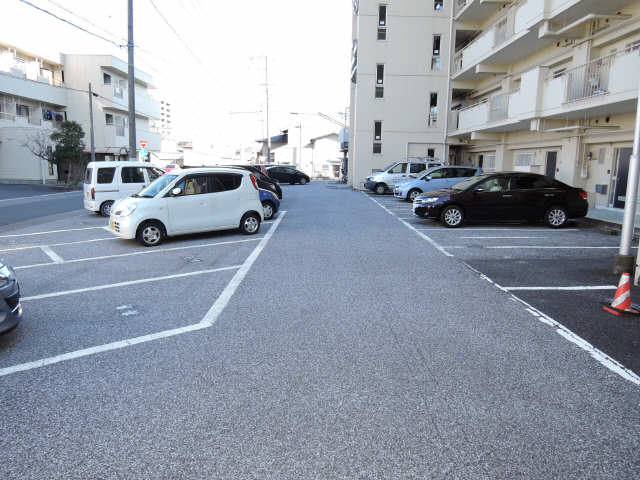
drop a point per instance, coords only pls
(32, 103)
(37, 94)
(326, 158)
(165, 124)
(399, 83)
(547, 86)
(108, 76)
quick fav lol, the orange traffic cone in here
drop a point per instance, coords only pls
(621, 304)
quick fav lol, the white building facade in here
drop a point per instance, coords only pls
(399, 83)
(37, 94)
(548, 86)
(326, 158)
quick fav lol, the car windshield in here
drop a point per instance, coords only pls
(156, 186)
(388, 167)
(425, 173)
(464, 184)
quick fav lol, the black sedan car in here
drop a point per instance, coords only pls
(10, 308)
(290, 175)
(504, 197)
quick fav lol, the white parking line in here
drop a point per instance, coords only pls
(40, 196)
(142, 252)
(551, 247)
(515, 229)
(208, 320)
(584, 287)
(52, 255)
(50, 231)
(126, 284)
(488, 238)
(59, 244)
(411, 227)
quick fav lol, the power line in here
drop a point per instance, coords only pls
(176, 33)
(86, 20)
(71, 23)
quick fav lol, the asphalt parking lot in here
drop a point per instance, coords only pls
(563, 274)
(83, 288)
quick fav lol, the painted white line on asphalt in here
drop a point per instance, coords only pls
(59, 244)
(224, 298)
(411, 227)
(50, 231)
(577, 287)
(487, 238)
(52, 255)
(204, 323)
(126, 284)
(40, 196)
(563, 331)
(142, 252)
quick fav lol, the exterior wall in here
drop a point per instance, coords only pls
(535, 92)
(326, 157)
(408, 83)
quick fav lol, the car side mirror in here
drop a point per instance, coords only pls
(478, 189)
(428, 178)
(176, 191)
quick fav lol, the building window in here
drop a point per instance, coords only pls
(108, 118)
(106, 78)
(382, 33)
(377, 130)
(431, 152)
(382, 15)
(380, 74)
(490, 161)
(525, 159)
(433, 109)
(438, 5)
(436, 45)
(435, 63)
(379, 92)
(377, 147)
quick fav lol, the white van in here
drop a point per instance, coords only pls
(106, 182)
(386, 180)
(190, 201)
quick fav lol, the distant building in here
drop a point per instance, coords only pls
(326, 158)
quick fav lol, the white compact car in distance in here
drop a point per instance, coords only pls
(189, 201)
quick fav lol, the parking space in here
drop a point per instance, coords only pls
(82, 287)
(565, 274)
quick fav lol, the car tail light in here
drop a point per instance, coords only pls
(253, 180)
(584, 194)
(93, 193)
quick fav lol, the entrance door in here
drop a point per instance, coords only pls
(552, 158)
(619, 196)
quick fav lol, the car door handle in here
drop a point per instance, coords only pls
(549, 194)
(507, 196)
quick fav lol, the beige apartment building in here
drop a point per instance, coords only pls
(399, 83)
(547, 86)
(37, 94)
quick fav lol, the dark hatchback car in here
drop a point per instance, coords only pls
(504, 197)
(10, 308)
(264, 181)
(286, 174)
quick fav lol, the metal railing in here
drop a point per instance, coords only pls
(499, 106)
(11, 117)
(459, 5)
(457, 61)
(432, 120)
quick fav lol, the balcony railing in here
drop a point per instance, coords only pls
(499, 106)
(30, 120)
(459, 5)
(454, 119)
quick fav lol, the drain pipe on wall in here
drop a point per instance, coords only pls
(624, 260)
(449, 99)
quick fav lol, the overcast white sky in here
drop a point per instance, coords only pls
(307, 42)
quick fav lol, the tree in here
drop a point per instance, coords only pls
(39, 143)
(69, 150)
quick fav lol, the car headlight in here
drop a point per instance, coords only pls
(128, 210)
(431, 199)
(6, 275)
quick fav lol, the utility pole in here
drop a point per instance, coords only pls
(623, 265)
(266, 86)
(93, 143)
(300, 147)
(132, 87)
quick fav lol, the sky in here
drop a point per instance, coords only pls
(217, 66)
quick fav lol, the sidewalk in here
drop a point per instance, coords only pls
(610, 219)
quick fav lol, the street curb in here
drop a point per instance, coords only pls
(610, 228)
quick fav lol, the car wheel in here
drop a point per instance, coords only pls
(413, 194)
(150, 234)
(452, 216)
(250, 223)
(556, 217)
(303, 181)
(381, 188)
(267, 210)
(105, 208)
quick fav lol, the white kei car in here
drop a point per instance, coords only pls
(189, 201)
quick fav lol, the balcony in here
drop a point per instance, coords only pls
(118, 99)
(476, 11)
(604, 86)
(20, 86)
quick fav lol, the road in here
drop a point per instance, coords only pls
(25, 203)
(336, 344)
